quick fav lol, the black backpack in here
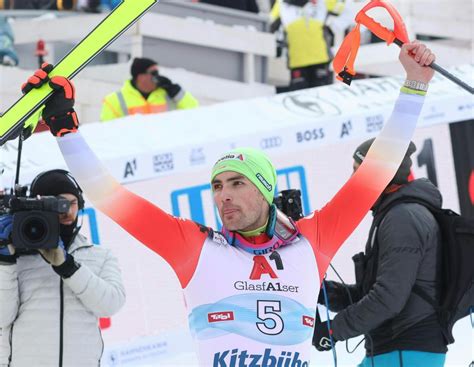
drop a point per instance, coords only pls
(456, 290)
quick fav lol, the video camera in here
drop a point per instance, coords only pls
(35, 220)
(289, 202)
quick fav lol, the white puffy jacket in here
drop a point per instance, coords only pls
(46, 321)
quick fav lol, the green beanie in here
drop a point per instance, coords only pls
(253, 164)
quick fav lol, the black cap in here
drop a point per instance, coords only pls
(401, 177)
(140, 66)
(54, 183)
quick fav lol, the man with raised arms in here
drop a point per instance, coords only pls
(233, 324)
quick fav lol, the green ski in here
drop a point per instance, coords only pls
(116, 23)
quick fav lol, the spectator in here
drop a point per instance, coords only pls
(147, 92)
(308, 51)
(51, 299)
(8, 54)
(401, 328)
(245, 5)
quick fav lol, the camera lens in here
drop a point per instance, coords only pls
(34, 229)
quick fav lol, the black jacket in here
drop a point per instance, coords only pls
(408, 247)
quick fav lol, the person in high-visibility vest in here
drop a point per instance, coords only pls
(308, 51)
(147, 92)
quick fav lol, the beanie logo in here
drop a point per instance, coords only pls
(360, 155)
(239, 157)
(264, 182)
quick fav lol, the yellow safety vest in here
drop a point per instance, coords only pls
(304, 32)
(129, 101)
(335, 6)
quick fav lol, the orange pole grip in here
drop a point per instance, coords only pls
(376, 28)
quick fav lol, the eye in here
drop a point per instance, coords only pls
(216, 186)
(238, 183)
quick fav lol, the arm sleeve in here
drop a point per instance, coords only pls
(400, 253)
(186, 101)
(177, 240)
(332, 225)
(9, 294)
(102, 294)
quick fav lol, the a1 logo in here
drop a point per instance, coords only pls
(261, 266)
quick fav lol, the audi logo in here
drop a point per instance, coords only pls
(271, 142)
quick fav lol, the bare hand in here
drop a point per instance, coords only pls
(415, 58)
(54, 256)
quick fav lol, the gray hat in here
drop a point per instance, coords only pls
(401, 177)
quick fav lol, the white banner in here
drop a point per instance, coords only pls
(140, 147)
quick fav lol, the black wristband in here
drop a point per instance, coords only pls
(67, 268)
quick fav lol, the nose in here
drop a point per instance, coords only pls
(68, 214)
(225, 194)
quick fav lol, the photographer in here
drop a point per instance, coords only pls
(51, 299)
(147, 92)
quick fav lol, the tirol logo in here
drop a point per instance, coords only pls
(220, 316)
(308, 321)
(227, 157)
(237, 358)
(264, 182)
